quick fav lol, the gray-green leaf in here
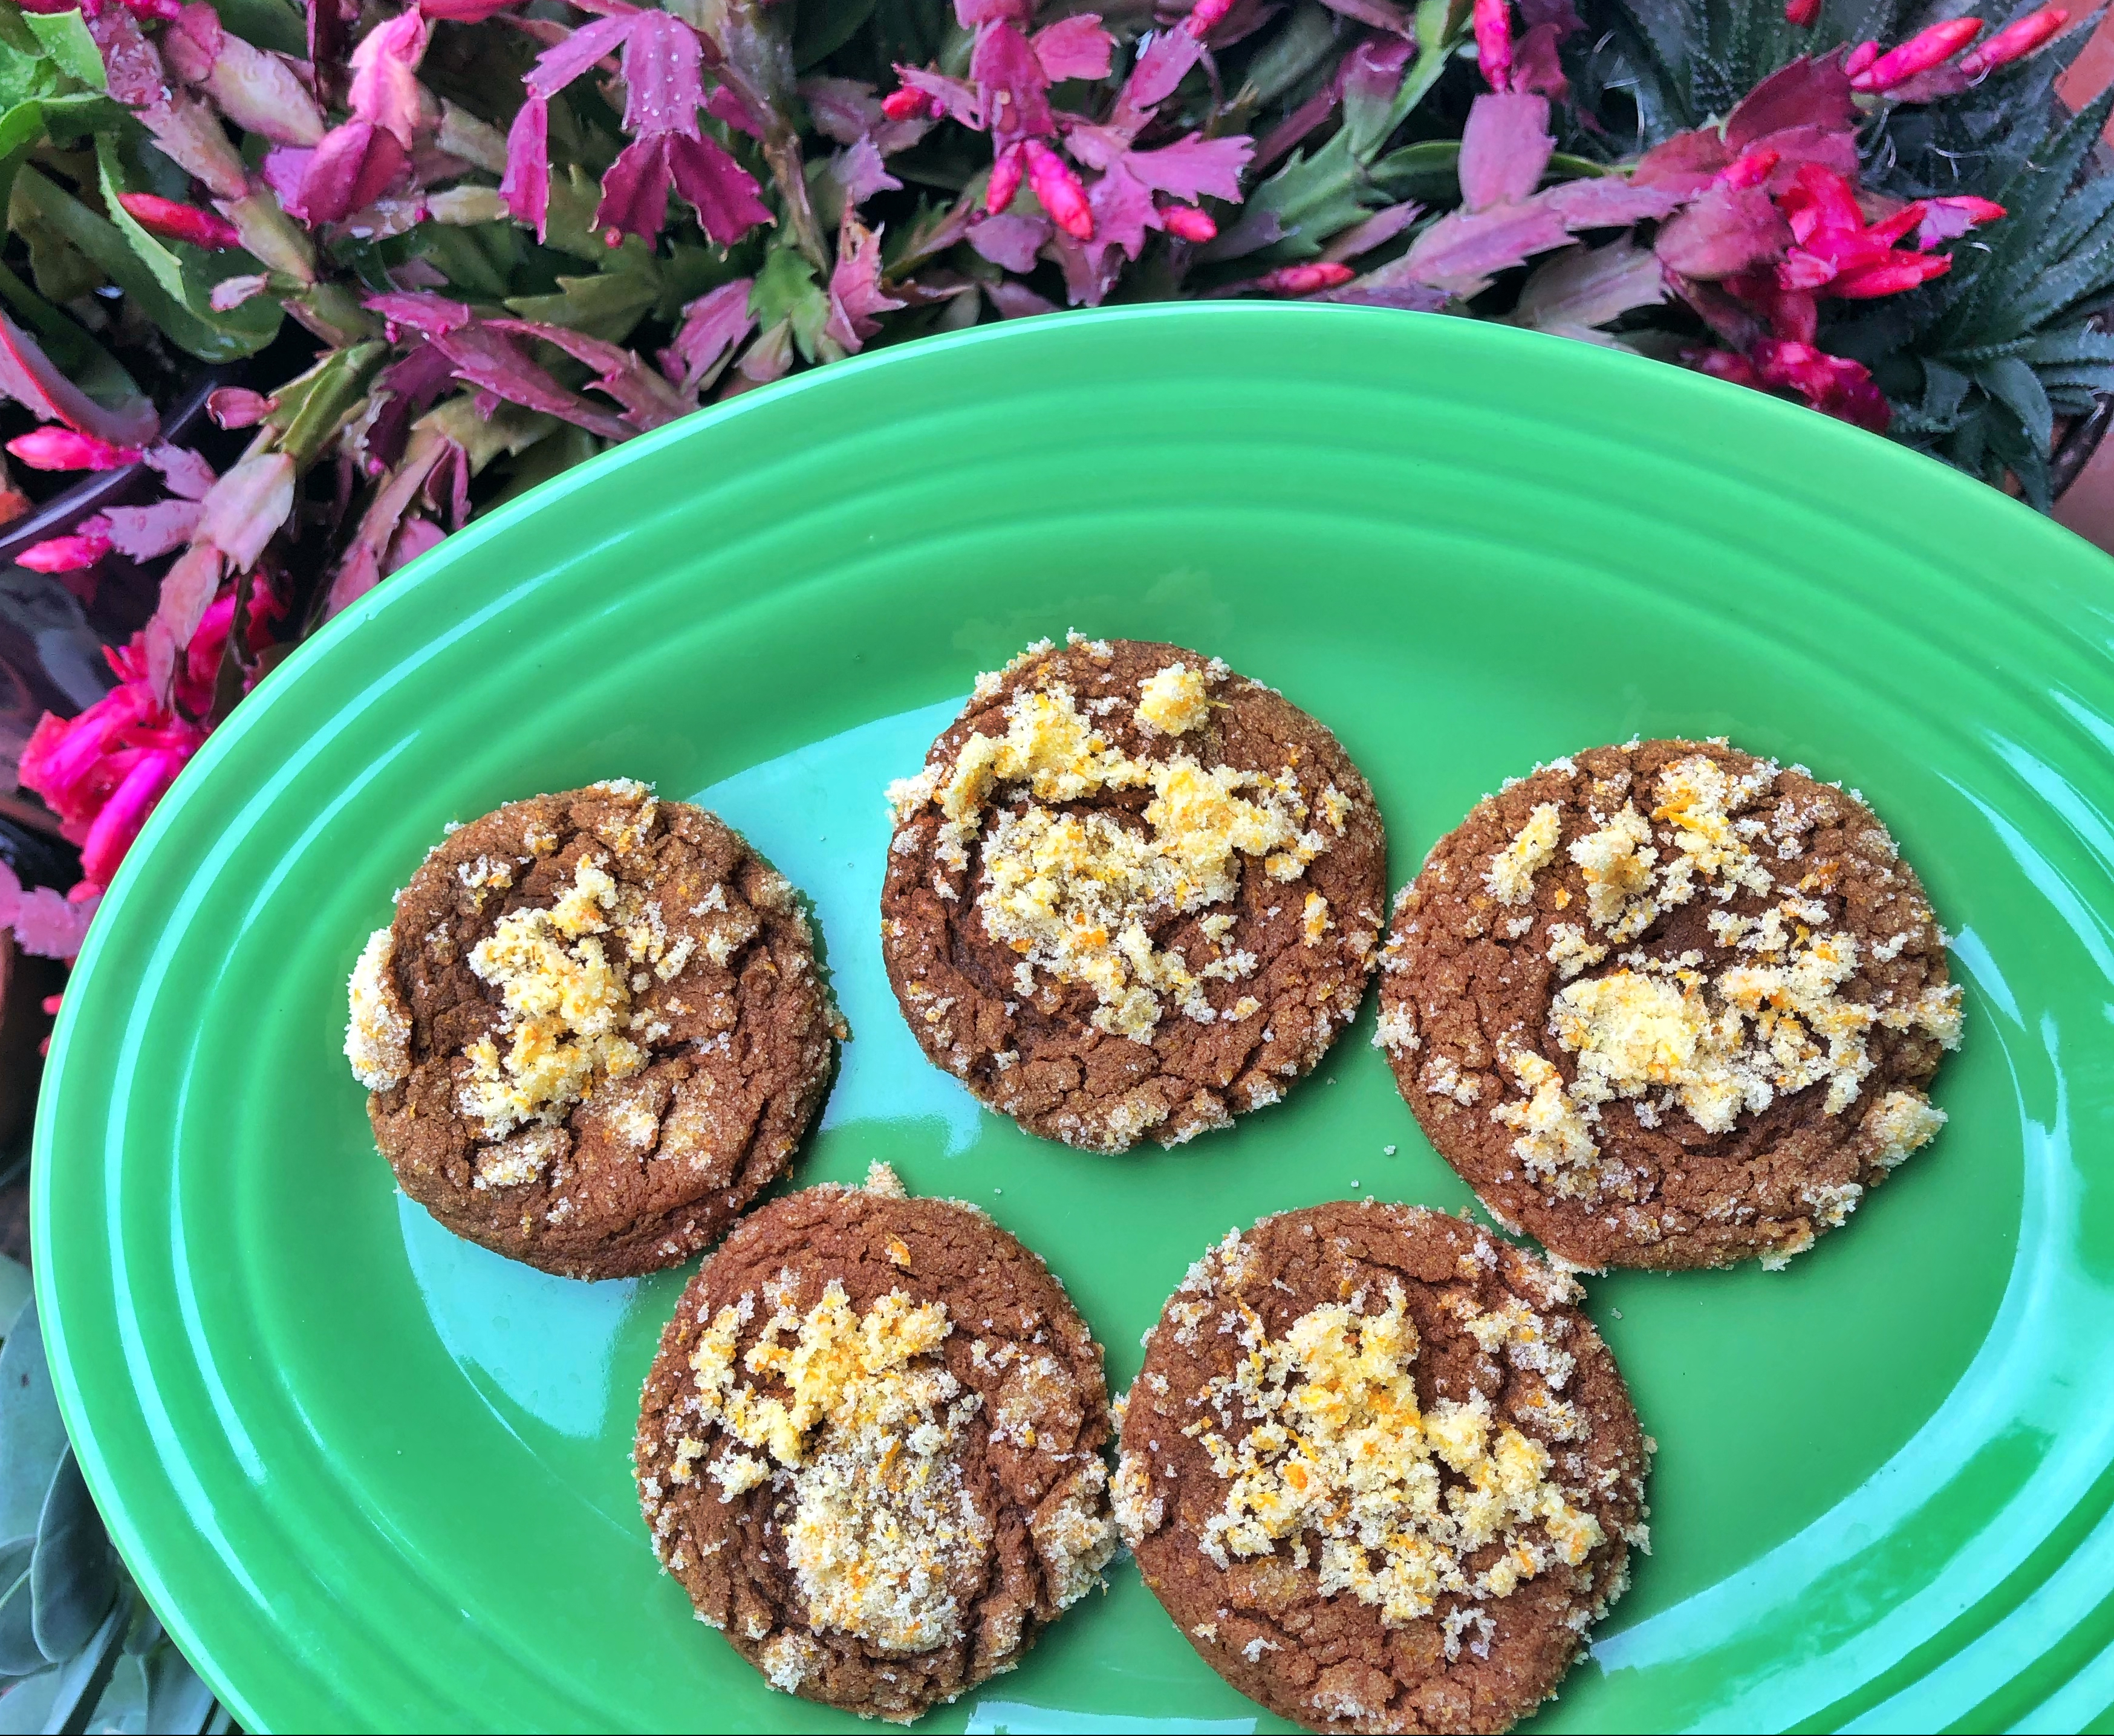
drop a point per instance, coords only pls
(73, 1573)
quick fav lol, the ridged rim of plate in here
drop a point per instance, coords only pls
(2064, 591)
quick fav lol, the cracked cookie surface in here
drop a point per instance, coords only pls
(1380, 1470)
(1132, 894)
(593, 1033)
(870, 1447)
(1668, 1005)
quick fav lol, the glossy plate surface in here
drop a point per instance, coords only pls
(371, 1476)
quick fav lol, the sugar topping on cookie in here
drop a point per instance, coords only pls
(378, 1038)
(881, 1529)
(1075, 895)
(1718, 1032)
(1338, 1458)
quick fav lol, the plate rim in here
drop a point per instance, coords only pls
(2053, 583)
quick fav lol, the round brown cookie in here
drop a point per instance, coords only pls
(870, 1447)
(1130, 893)
(1668, 1005)
(593, 1031)
(1380, 1470)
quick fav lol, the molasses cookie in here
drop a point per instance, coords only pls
(870, 1447)
(1668, 1005)
(1380, 1470)
(1130, 893)
(593, 1031)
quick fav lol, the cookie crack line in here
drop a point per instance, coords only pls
(1130, 893)
(1669, 1004)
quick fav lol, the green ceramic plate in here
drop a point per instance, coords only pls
(371, 1476)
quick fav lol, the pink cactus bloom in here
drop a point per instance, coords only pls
(1187, 222)
(177, 221)
(2016, 40)
(1493, 42)
(69, 554)
(1801, 13)
(1057, 184)
(1927, 49)
(53, 448)
(1206, 16)
(1304, 280)
(1005, 178)
(906, 104)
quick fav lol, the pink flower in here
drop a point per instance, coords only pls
(146, 779)
(1303, 280)
(50, 448)
(526, 185)
(384, 77)
(180, 223)
(1206, 16)
(1832, 384)
(1889, 277)
(1187, 222)
(1493, 42)
(908, 104)
(1927, 49)
(2016, 40)
(355, 164)
(1006, 175)
(1859, 59)
(1750, 168)
(236, 406)
(1056, 184)
(69, 554)
(1802, 13)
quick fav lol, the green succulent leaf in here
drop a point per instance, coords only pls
(64, 37)
(605, 305)
(1314, 196)
(73, 1575)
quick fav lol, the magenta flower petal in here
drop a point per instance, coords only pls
(558, 66)
(720, 190)
(1057, 185)
(69, 554)
(62, 449)
(635, 192)
(2016, 40)
(1010, 241)
(147, 532)
(1802, 13)
(237, 406)
(727, 104)
(384, 77)
(1493, 42)
(1016, 99)
(662, 89)
(1504, 148)
(961, 102)
(180, 223)
(856, 296)
(354, 165)
(1074, 48)
(526, 185)
(113, 830)
(1194, 167)
(188, 475)
(1119, 212)
(711, 326)
(859, 171)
